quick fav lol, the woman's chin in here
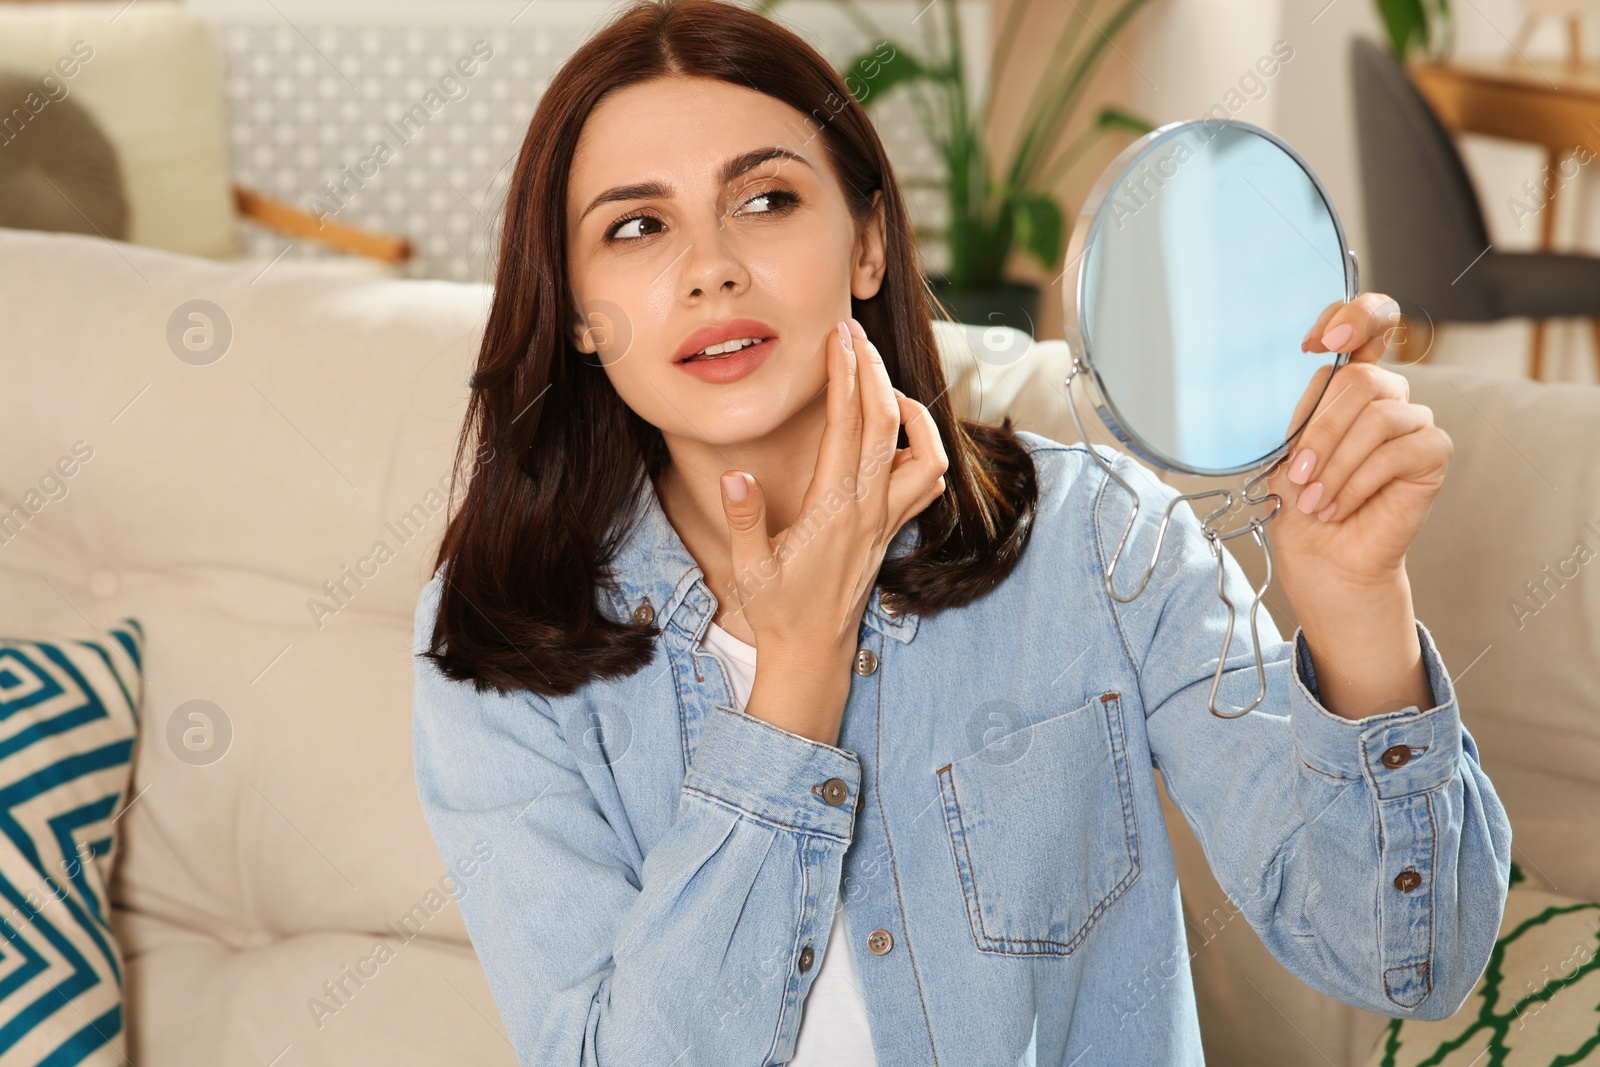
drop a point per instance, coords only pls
(736, 426)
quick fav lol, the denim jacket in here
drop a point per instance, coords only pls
(655, 872)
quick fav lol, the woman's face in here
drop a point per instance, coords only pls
(693, 203)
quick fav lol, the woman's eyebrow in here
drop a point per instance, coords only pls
(731, 169)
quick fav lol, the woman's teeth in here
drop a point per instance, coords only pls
(725, 348)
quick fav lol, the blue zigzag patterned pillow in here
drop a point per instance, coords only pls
(68, 720)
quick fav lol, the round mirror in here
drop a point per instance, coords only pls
(1203, 255)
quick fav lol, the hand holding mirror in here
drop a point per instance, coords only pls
(1201, 257)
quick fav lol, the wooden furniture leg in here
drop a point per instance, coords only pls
(291, 221)
(1524, 33)
(1547, 240)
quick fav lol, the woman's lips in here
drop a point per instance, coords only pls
(731, 367)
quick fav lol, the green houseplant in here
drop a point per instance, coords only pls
(994, 209)
(1417, 26)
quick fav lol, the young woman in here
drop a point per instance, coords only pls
(926, 828)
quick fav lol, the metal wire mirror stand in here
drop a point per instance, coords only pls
(1256, 528)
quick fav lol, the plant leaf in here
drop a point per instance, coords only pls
(1039, 227)
(1406, 23)
(1114, 118)
(869, 75)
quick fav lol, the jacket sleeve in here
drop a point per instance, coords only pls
(598, 956)
(1372, 856)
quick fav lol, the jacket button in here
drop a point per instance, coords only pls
(1398, 756)
(886, 602)
(805, 959)
(644, 614)
(866, 662)
(879, 942)
(834, 791)
(1406, 881)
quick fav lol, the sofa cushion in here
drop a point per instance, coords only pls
(1506, 573)
(259, 461)
(69, 713)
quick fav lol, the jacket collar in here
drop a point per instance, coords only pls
(653, 566)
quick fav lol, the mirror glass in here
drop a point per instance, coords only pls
(1209, 256)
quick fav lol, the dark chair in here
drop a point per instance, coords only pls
(1427, 243)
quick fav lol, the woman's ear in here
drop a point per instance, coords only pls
(580, 335)
(866, 271)
(601, 323)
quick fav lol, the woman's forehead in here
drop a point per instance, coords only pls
(681, 127)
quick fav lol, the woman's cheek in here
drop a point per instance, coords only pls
(639, 397)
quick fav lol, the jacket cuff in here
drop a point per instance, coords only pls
(774, 775)
(1398, 752)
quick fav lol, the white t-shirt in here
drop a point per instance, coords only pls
(833, 1024)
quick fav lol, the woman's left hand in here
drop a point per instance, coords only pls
(1363, 473)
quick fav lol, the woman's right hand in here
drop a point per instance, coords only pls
(803, 590)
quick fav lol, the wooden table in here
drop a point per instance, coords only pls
(1550, 103)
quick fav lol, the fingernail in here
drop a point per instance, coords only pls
(1327, 513)
(855, 328)
(1335, 338)
(1304, 462)
(1308, 497)
(844, 334)
(735, 486)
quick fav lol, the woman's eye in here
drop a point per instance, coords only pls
(771, 202)
(774, 201)
(633, 225)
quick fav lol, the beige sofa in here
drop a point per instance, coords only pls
(231, 492)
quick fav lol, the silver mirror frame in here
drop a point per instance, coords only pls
(1087, 227)
(1083, 233)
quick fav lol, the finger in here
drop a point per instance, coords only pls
(1380, 421)
(1416, 453)
(880, 414)
(933, 491)
(839, 454)
(745, 506)
(921, 429)
(1320, 326)
(918, 480)
(925, 446)
(1352, 387)
(1308, 399)
(1361, 327)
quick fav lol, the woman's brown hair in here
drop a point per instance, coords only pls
(560, 457)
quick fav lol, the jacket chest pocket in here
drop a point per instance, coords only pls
(1042, 829)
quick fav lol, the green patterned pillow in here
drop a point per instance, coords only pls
(68, 720)
(1537, 1004)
